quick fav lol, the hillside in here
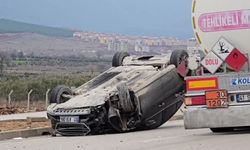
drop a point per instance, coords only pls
(10, 26)
(41, 45)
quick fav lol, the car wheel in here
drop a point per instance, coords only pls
(125, 98)
(118, 58)
(57, 94)
(219, 130)
(178, 56)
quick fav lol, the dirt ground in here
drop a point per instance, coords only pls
(23, 124)
(11, 110)
(20, 107)
(17, 110)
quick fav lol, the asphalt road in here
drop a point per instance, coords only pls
(170, 136)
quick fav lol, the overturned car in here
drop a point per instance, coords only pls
(136, 93)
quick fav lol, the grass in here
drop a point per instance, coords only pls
(20, 62)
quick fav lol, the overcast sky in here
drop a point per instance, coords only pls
(130, 17)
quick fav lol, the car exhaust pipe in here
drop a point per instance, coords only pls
(115, 119)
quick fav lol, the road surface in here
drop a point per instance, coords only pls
(171, 136)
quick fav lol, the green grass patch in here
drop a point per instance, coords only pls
(21, 85)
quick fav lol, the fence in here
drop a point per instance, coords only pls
(28, 101)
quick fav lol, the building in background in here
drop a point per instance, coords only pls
(116, 42)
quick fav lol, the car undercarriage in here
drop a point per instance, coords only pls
(137, 93)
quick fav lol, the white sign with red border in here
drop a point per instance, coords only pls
(211, 62)
(223, 48)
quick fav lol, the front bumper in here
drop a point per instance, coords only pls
(69, 128)
(72, 128)
(234, 116)
(88, 121)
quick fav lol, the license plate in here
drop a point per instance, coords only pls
(69, 119)
(243, 97)
(216, 99)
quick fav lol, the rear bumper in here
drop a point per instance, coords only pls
(234, 116)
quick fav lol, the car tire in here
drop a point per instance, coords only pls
(177, 57)
(118, 58)
(57, 92)
(125, 100)
(219, 130)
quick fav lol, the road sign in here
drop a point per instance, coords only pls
(223, 48)
(211, 62)
(236, 60)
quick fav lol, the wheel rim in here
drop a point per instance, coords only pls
(184, 59)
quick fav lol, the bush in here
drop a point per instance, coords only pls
(22, 85)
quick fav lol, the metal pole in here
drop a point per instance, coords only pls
(47, 99)
(28, 101)
(9, 97)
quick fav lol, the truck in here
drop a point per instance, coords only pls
(217, 96)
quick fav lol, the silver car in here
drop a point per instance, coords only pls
(136, 93)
